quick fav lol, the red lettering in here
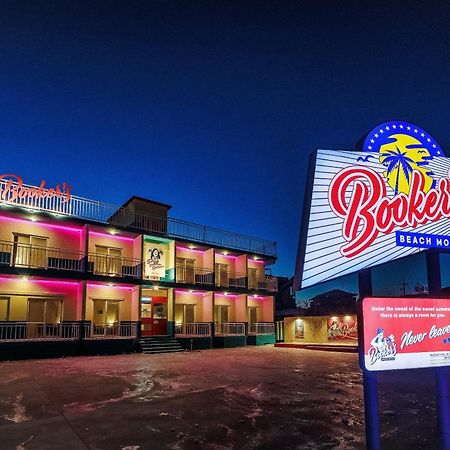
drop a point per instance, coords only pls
(358, 195)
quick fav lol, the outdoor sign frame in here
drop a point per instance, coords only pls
(399, 190)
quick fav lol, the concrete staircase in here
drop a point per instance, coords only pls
(159, 344)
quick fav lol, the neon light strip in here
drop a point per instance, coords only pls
(185, 249)
(43, 224)
(257, 261)
(189, 293)
(226, 256)
(33, 280)
(111, 236)
(226, 296)
(105, 285)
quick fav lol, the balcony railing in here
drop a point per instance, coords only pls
(261, 328)
(116, 266)
(230, 329)
(35, 256)
(41, 331)
(193, 329)
(194, 275)
(237, 280)
(266, 283)
(110, 214)
(110, 331)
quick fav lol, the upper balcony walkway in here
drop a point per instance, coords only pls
(92, 210)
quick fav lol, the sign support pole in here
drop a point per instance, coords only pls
(442, 379)
(370, 381)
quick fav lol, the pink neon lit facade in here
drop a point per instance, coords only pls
(62, 278)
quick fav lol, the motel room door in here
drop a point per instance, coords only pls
(154, 316)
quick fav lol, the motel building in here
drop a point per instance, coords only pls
(78, 276)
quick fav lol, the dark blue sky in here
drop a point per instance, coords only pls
(213, 106)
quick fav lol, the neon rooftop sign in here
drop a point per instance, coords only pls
(13, 190)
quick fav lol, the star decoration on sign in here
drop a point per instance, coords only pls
(382, 135)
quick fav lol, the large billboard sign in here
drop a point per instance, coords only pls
(370, 207)
(405, 333)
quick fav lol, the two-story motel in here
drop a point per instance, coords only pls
(81, 276)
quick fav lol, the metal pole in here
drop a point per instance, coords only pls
(443, 404)
(370, 382)
(371, 411)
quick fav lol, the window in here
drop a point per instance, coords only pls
(252, 278)
(253, 314)
(4, 308)
(222, 278)
(106, 312)
(30, 251)
(185, 270)
(45, 310)
(108, 260)
(189, 314)
(221, 314)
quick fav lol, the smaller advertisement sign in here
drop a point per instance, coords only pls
(299, 329)
(342, 329)
(405, 333)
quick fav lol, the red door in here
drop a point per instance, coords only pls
(154, 317)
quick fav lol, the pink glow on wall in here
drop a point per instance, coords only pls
(256, 297)
(41, 224)
(115, 286)
(40, 281)
(226, 256)
(111, 236)
(185, 249)
(178, 291)
(225, 295)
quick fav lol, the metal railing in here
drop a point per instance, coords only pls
(110, 214)
(237, 280)
(109, 331)
(194, 275)
(35, 256)
(261, 328)
(117, 266)
(266, 283)
(230, 329)
(26, 331)
(193, 329)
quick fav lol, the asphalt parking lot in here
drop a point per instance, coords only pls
(244, 398)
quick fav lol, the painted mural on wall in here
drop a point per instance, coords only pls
(299, 329)
(156, 262)
(342, 329)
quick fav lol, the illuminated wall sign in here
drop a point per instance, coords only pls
(370, 207)
(13, 190)
(342, 329)
(155, 262)
(405, 333)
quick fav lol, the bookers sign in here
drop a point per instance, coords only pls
(367, 208)
(404, 333)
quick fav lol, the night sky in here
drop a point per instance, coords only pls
(212, 107)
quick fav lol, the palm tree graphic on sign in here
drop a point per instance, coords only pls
(398, 161)
(401, 156)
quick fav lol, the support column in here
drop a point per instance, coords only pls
(442, 373)
(370, 381)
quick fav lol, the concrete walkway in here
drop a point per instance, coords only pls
(246, 398)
